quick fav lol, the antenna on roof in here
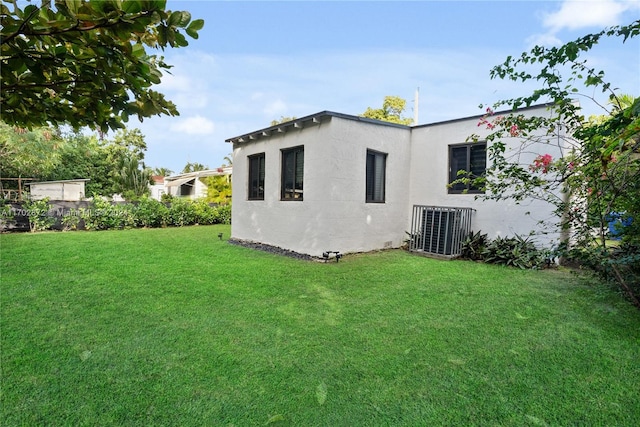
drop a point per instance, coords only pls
(416, 105)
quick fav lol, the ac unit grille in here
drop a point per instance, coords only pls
(438, 230)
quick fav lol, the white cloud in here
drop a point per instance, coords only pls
(172, 82)
(587, 13)
(547, 40)
(196, 125)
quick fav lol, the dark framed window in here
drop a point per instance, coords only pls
(256, 177)
(471, 158)
(376, 171)
(292, 173)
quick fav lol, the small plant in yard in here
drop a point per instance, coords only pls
(474, 245)
(70, 222)
(38, 212)
(515, 252)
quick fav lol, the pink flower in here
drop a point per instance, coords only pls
(489, 111)
(542, 162)
(514, 131)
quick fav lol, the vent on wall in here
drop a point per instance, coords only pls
(437, 230)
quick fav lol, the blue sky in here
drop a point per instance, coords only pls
(258, 61)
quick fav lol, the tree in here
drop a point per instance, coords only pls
(599, 166)
(218, 189)
(29, 153)
(283, 119)
(84, 62)
(391, 111)
(194, 167)
(83, 156)
(162, 171)
(125, 148)
(130, 141)
(133, 178)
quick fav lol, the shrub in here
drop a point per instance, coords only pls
(103, 215)
(70, 222)
(515, 252)
(473, 246)
(224, 214)
(166, 198)
(150, 213)
(38, 213)
(618, 266)
(182, 212)
(205, 213)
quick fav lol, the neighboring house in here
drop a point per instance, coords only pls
(336, 182)
(70, 190)
(158, 188)
(190, 185)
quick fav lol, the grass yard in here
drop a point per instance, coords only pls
(174, 327)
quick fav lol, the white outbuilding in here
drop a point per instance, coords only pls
(70, 190)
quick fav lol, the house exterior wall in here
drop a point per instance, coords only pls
(157, 190)
(333, 214)
(430, 176)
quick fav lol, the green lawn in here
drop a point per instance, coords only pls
(175, 327)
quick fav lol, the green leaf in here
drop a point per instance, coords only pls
(196, 25)
(191, 33)
(131, 6)
(179, 18)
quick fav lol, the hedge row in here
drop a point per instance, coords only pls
(150, 213)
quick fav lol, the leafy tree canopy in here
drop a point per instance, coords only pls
(391, 111)
(29, 153)
(162, 171)
(45, 153)
(282, 119)
(84, 62)
(194, 167)
(218, 189)
(595, 175)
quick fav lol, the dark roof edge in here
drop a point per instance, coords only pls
(317, 118)
(311, 118)
(495, 113)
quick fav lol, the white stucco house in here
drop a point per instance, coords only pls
(337, 182)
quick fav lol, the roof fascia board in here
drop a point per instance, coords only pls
(314, 119)
(495, 113)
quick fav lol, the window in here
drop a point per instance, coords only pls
(471, 158)
(292, 173)
(256, 177)
(376, 165)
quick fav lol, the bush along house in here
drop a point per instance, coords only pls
(343, 183)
